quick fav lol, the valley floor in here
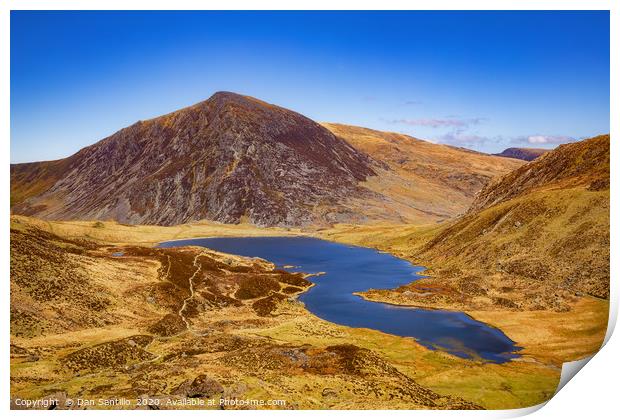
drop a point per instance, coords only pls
(172, 324)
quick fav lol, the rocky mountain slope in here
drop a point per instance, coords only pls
(523, 153)
(233, 158)
(226, 159)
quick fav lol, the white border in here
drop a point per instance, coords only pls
(592, 395)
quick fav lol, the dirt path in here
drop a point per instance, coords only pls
(180, 312)
(191, 296)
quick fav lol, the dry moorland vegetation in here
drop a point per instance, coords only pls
(530, 257)
(88, 322)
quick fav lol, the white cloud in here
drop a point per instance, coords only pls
(539, 139)
(439, 122)
(460, 138)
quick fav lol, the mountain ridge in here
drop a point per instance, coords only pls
(579, 163)
(233, 158)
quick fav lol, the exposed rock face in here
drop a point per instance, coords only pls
(228, 159)
(523, 153)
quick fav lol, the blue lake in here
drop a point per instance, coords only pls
(350, 269)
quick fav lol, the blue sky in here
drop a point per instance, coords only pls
(482, 80)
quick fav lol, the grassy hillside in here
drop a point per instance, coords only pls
(88, 322)
(423, 181)
(534, 245)
(580, 164)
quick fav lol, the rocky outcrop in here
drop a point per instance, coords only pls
(201, 386)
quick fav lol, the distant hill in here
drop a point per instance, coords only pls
(436, 180)
(522, 153)
(233, 158)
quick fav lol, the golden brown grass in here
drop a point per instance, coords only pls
(423, 182)
(554, 337)
(531, 257)
(148, 235)
(391, 372)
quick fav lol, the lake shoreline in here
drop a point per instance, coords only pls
(586, 312)
(349, 269)
(292, 327)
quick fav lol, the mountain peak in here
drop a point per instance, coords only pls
(225, 97)
(229, 158)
